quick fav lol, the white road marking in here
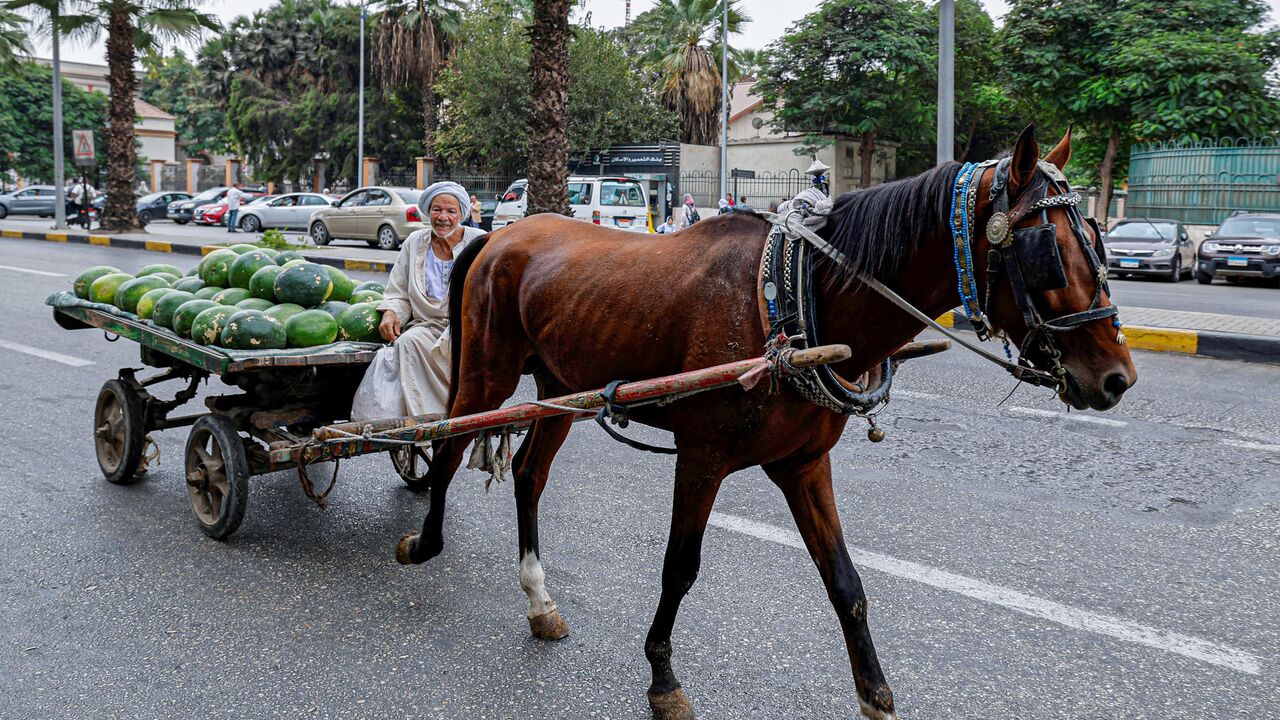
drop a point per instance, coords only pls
(913, 394)
(1075, 618)
(46, 354)
(1250, 445)
(1077, 417)
(33, 272)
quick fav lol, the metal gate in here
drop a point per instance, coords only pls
(1202, 182)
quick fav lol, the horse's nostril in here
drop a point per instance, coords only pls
(1116, 384)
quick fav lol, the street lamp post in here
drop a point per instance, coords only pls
(59, 172)
(724, 101)
(946, 80)
(360, 120)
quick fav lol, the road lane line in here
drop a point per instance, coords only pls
(913, 394)
(46, 354)
(1037, 412)
(1074, 618)
(1250, 445)
(29, 270)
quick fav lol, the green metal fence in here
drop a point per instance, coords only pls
(1202, 182)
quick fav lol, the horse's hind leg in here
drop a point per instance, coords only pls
(807, 488)
(697, 481)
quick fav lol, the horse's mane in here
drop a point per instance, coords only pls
(877, 229)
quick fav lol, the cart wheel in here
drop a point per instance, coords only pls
(217, 476)
(411, 463)
(118, 435)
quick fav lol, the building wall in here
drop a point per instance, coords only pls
(158, 139)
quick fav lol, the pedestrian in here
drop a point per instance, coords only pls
(689, 214)
(724, 207)
(729, 198)
(234, 196)
(476, 209)
(666, 227)
(742, 205)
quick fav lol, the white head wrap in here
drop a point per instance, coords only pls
(444, 188)
(817, 200)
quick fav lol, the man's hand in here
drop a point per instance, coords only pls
(389, 328)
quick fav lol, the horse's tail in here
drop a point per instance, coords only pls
(457, 282)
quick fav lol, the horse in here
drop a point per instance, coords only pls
(578, 306)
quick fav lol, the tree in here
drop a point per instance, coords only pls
(1143, 70)
(13, 39)
(549, 107)
(679, 41)
(174, 84)
(413, 41)
(26, 120)
(133, 26)
(856, 67)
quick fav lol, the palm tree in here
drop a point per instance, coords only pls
(681, 43)
(134, 26)
(414, 40)
(549, 107)
(13, 38)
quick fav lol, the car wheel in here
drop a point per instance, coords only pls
(4, 212)
(182, 222)
(250, 223)
(387, 238)
(1203, 277)
(320, 234)
(144, 217)
(1175, 272)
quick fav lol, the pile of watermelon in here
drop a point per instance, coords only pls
(245, 298)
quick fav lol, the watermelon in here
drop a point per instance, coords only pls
(160, 268)
(360, 323)
(231, 296)
(255, 304)
(207, 328)
(246, 265)
(270, 251)
(333, 307)
(166, 306)
(295, 261)
(370, 285)
(263, 283)
(193, 272)
(283, 311)
(287, 255)
(189, 284)
(216, 266)
(310, 328)
(305, 284)
(168, 277)
(103, 290)
(186, 314)
(253, 330)
(131, 291)
(86, 278)
(208, 291)
(365, 296)
(242, 248)
(147, 303)
(343, 286)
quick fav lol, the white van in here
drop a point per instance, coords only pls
(616, 202)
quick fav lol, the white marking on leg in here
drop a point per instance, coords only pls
(1074, 618)
(46, 354)
(532, 581)
(33, 272)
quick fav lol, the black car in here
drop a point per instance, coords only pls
(151, 206)
(1245, 245)
(486, 214)
(182, 210)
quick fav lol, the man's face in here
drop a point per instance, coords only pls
(445, 215)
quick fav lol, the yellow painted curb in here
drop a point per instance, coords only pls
(349, 264)
(159, 246)
(947, 319)
(56, 237)
(1161, 339)
(11, 233)
(99, 240)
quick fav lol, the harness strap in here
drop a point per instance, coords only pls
(613, 412)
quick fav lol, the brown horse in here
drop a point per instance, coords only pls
(579, 306)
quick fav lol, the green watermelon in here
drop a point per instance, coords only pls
(207, 328)
(216, 267)
(189, 284)
(283, 311)
(360, 323)
(343, 285)
(166, 306)
(193, 272)
(242, 248)
(131, 291)
(263, 283)
(270, 251)
(370, 285)
(186, 314)
(160, 268)
(253, 330)
(246, 265)
(208, 291)
(364, 296)
(305, 284)
(333, 307)
(103, 290)
(295, 261)
(255, 304)
(147, 303)
(231, 296)
(287, 255)
(86, 278)
(310, 328)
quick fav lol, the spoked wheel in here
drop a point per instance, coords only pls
(217, 476)
(118, 434)
(411, 463)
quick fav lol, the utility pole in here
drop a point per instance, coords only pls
(360, 120)
(59, 172)
(946, 80)
(724, 102)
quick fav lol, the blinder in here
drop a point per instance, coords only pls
(1038, 258)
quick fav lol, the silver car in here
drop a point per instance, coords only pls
(33, 200)
(293, 210)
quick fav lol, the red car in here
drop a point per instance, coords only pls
(216, 214)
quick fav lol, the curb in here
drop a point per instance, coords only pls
(1205, 343)
(165, 246)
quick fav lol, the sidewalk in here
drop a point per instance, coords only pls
(1228, 337)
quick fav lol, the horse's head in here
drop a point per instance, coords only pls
(1049, 271)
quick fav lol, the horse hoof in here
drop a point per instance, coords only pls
(404, 548)
(673, 705)
(548, 626)
(881, 705)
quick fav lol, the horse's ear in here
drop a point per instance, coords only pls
(1026, 156)
(1062, 153)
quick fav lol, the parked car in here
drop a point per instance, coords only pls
(487, 209)
(216, 213)
(293, 210)
(155, 206)
(1245, 245)
(182, 211)
(33, 200)
(380, 216)
(616, 202)
(1150, 246)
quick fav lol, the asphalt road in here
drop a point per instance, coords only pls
(1019, 561)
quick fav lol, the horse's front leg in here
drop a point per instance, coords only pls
(807, 488)
(532, 465)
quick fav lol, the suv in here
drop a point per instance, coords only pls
(182, 211)
(1150, 246)
(1244, 245)
(33, 200)
(616, 202)
(381, 216)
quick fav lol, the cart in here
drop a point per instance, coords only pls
(293, 411)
